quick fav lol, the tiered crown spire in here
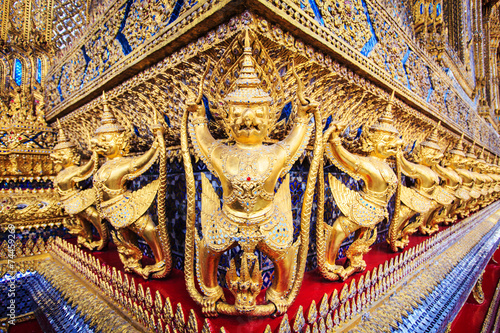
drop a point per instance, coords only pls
(470, 152)
(459, 148)
(62, 141)
(248, 90)
(433, 139)
(481, 156)
(386, 121)
(109, 123)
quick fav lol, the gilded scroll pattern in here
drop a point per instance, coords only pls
(126, 26)
(348, 19)
(389, 48)
(168, 84)
(69, 21)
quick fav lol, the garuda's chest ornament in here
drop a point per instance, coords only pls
(246, 173)
(251, 214)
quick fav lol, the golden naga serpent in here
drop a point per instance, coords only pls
(161, 197)
(263, 309)
(394, 226)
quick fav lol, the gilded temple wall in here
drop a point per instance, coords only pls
(365, 48)
(379, 43)
(150, 55)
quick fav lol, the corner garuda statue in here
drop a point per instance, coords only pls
(363, 210)
(425, 198)
(251, 214)
(78, 203)
(126, 210)
(457, 181)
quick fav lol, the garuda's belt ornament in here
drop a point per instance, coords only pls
(126, 210)
(78, 203)
(252, 215)
(363, 210)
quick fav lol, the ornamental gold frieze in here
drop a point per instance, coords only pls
(107, 48)
(168, 85)
(415, 87)
(34, 207)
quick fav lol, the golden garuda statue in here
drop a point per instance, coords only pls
(480, 166)
(78, 203)
(493, 173)
(478, 183)
(363, 210)
(252, 215)
(425, 198)
(468, 179)
(452, 183)
(127, 211)
(455, 179)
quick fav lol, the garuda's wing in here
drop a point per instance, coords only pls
(344, 197)
(130, 206)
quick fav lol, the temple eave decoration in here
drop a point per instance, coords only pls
(286, 166)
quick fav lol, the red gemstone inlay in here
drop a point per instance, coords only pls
(249, 179)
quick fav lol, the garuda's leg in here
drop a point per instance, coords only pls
(403, 231)
(364, 238)
(445, 216)
(428, 225)
(284, 274)
(84, 232)
(335, 235)
(91, 214)
(128, 250)
(206, 266)
(146, 228)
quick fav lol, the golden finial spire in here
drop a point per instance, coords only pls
(248, 89)
(459, 148)
(470, 153)
(108, 120)
(481, 156)
(62, 141)
(386, 121)
(433, 139)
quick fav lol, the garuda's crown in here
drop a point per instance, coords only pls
(62, 141)
(248, 90)
(433, 139)
(386, 121)
(108, 120)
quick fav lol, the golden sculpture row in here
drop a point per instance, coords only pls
(252, 214)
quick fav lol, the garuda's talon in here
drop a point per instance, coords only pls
(98, 245)
(158, 269)
(278, 300)
(209, 306)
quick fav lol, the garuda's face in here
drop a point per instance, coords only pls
(249, 123)
(64, 157)
(386, 144)
(430, 156)
(108, 144)
(456, 161)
